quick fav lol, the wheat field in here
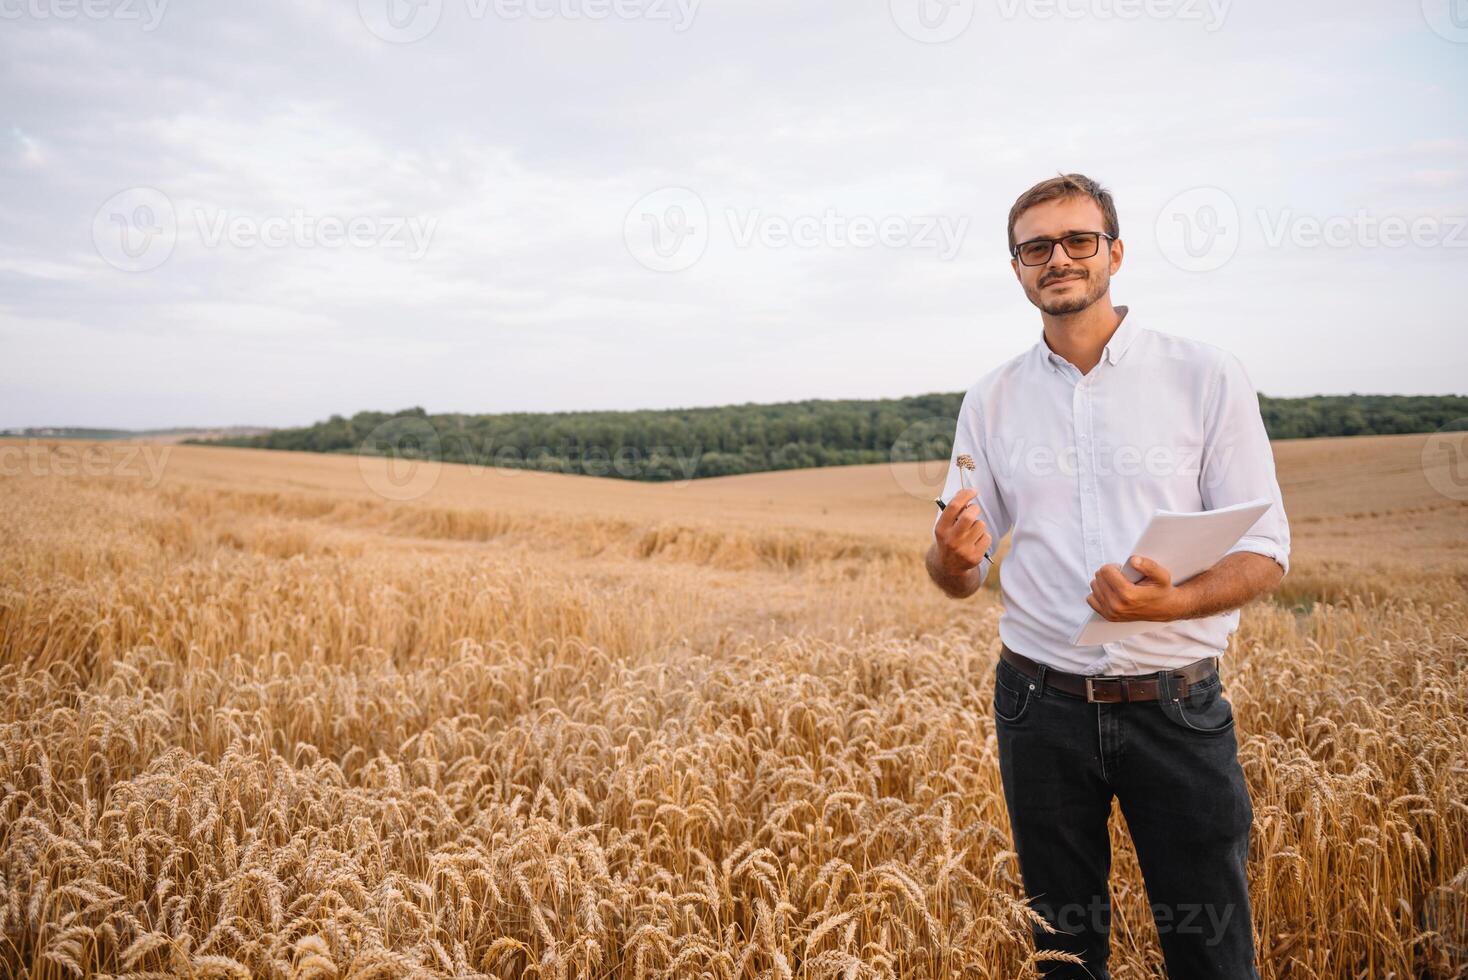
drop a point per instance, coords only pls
(260, 720)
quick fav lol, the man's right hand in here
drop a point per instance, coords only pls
(961, 535)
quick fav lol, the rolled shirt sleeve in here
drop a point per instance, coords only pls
(967, 439)
(1238, 463)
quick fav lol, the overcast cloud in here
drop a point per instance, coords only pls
(269, 212)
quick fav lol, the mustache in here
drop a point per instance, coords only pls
(1066, 275)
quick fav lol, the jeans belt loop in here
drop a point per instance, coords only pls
(1040, 682)
(1165, 686)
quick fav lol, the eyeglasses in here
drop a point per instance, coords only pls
(1082, 245)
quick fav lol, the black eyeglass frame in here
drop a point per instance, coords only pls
(1014, 252)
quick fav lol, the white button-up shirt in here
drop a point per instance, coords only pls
(1074, 464)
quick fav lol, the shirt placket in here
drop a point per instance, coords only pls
(1084, 420)
(1085, 435)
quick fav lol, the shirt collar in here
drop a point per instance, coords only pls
(1121, 339)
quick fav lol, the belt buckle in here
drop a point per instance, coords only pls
(1091, 689)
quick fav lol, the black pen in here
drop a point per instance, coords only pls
(942, 506)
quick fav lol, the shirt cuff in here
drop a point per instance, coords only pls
(1263, 546)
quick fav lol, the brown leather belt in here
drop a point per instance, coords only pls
(1115, 687)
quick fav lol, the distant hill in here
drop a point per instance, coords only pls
(687, 443)
(195, 434)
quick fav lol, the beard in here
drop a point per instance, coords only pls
(1091, 289)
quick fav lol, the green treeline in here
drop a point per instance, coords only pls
(678, 444)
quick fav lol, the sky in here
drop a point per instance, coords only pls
(266, 213)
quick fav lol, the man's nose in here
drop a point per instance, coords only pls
(1057, 264)
(1059, 259)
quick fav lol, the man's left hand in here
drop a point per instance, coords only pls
(1154, 599)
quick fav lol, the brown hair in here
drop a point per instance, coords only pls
(1063, 186)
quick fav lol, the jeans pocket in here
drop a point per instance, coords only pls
(1205, 710)
(1012, 693)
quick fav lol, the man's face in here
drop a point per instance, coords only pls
(1065, 285)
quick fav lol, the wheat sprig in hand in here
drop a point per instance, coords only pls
(965, 463)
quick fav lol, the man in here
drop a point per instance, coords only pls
(1075, 443)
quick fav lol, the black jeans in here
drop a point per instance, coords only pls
(1174, 766)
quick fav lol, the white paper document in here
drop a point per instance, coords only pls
(1184, 544)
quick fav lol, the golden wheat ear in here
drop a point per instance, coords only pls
(965, 463)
